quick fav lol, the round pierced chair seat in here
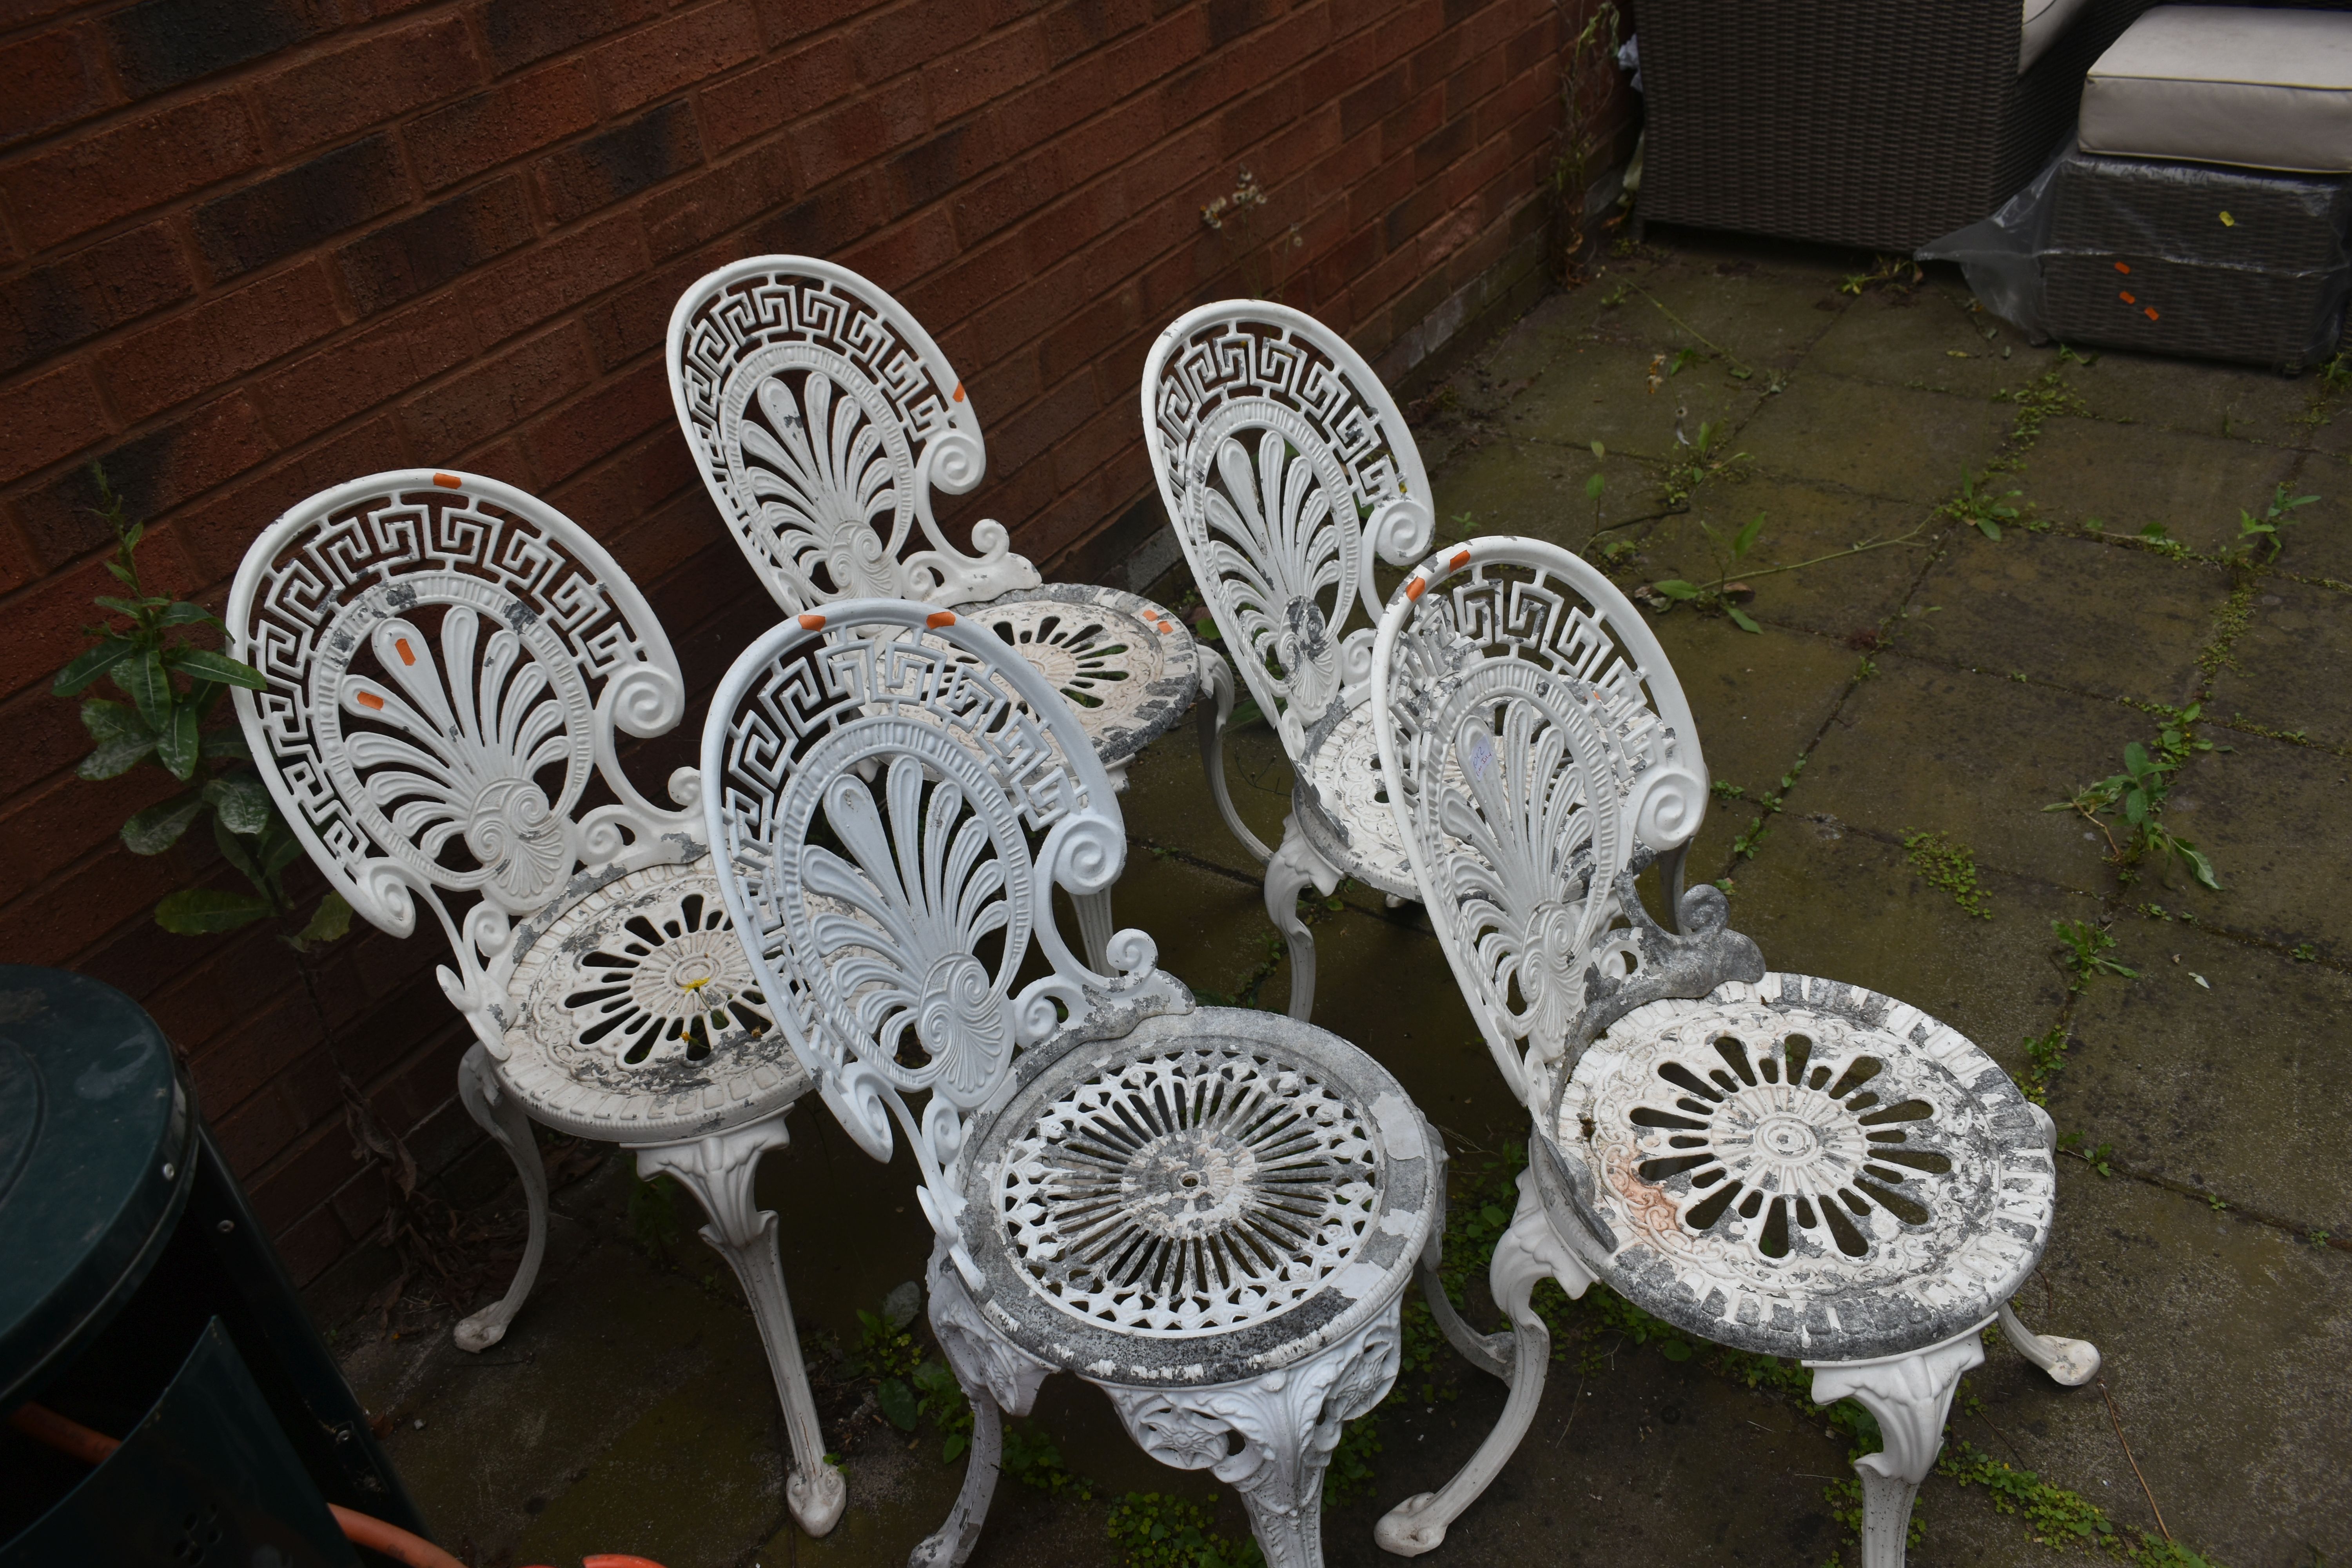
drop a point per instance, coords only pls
(636, 1017)
(1128, 668)
(1344, 808)
(1805, 1168)
(1207, 1199)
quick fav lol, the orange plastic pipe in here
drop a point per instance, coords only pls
(43, 1424)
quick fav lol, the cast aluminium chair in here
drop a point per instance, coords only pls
(450, 664)
(823, 418)
(1783, 1165)
(1210, 1213)
(1285, 469)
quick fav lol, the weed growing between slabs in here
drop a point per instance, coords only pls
(2138, 796)
(1948, 867)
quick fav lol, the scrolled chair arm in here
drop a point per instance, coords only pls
(1400, 530)
(1086, 852)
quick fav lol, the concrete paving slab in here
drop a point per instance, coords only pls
(1839, 597)
(2318, 544)
(1876, 440)
(1759, 699)
(2129, 476)
(1601, 392)
(2018, 605)
(1538, 489)
(2234, 401)
(2228, 1350)
(2223, 1067)
(2271, 815)
(2291, 668)
(1928, 338)
(1921, 747)
(1765, 311)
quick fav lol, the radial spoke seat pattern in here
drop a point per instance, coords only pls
(1210, 1213)
(1784, 1165)
(450, 664)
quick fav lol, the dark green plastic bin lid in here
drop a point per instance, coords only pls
(98, 1150)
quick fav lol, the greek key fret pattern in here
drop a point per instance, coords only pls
(823, 418)
(433, 658)
(1275, 454)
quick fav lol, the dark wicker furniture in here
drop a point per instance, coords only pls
(1863, 122)
(2138, 257)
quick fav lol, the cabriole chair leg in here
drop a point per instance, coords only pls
(495, 1112)
(2072, 1362)
(1217, 677)
(1910, 1394)
(718, 1171)
(1528, 1253)
(952, 1542)
(1294, 867)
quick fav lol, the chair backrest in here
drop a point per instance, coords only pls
(1538, 752)
(1286, 467)
(448, 660)
(822, 416)
(892, 795)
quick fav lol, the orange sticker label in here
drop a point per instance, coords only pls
(2126, 298)
(1416, 588)
(813, 622)
(2123, 267)
(2149, 312)
(407, 653)
(370, 699)
(1458, 562)
(448, 481)
(940, 618)
(959, 392)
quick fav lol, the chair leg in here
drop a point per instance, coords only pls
(719, 1170)
(1217, 679)
(1294, 867)
(1488, 1352)
(1910, 1394)
(1289, 1422)
(952, 1542)
(1528, 1251)
(1095, 928)
(2072, 1362)
(996, 1375)
(498, 1114)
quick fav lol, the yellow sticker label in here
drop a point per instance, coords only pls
(2228, 222)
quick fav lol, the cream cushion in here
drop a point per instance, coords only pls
(2045, 20)
(2212, 84)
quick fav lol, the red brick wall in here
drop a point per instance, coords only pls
(253, 247)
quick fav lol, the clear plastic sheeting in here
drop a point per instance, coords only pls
(2171, 259)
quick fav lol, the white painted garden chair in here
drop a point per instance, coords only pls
(1783, 1165)
(1286, 469)
(450, 665)
(824, 419)
(1210, 1213)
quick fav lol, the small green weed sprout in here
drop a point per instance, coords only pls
(1950, 866)
(2138, 793)
(1157, 1530)
(2258, 537)
(2087, 951)
(1983, 510)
